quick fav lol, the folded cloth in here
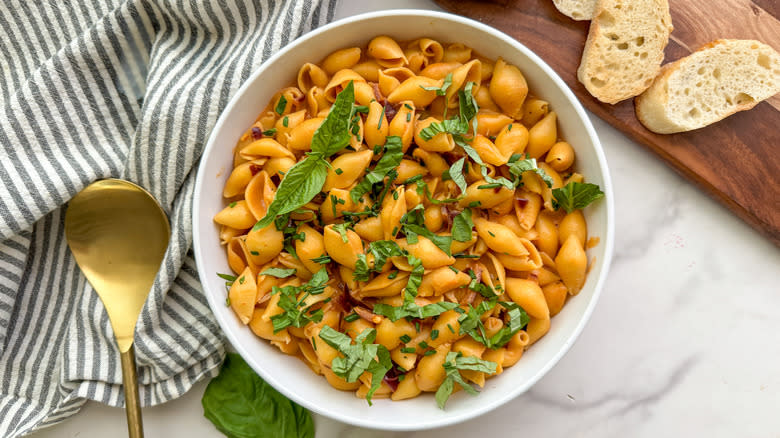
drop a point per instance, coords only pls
(116, 88)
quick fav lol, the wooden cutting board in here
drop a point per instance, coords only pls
(737, 160)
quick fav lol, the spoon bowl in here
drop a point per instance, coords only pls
(118, 234)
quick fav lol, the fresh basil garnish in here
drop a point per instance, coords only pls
(242, 405)
(576, 196)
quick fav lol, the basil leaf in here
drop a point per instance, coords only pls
(279, 272)
(389, 161)
(453, 364)
(333, 134)
(468, 106)
(295, 315)
(517, 320)
(443, 242)
(456, 173)
(298, 187)
(576, 196)
(519, 167)
(500, 180)
(444, 392)
(305, 179)
(475, 364)
(358, 358)
(441, 91)
(342, 230)
(462, 226)
(412, 310)
(242, 405)
(226, 277)
(281, 105)
(471, 322)
(362, 271)
(378, 369)
(382, 250)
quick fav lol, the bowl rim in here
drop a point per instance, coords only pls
(608, 239)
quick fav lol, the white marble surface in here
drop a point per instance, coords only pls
(684, 341)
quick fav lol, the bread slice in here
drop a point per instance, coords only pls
(625, 48)
(721, 78)
(576, 9)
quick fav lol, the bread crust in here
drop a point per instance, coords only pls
(576, 9)
(625, 48)
(665, 108)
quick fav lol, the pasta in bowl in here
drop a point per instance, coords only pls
(404, 216)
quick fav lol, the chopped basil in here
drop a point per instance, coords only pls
(471, 323)
(352, 317)
(388, 163)
(323, 259)
(454, 363)
(295, 315)
(279, 272)
(281, 105)
(462, 225)
(405, 338)
(342, 230)
(226, 277)
(381, 117)
(456, 174)
(408, 350)
(520, 166)
(362, 356)
(441, 91)
(232, 204)
(269, 132)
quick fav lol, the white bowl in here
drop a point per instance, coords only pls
(288, 374)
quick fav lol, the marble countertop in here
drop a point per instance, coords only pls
(683, 342)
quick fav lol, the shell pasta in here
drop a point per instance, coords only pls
(404, 219)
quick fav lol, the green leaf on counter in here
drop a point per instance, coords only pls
(242, 405)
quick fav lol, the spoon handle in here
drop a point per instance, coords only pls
(135, 426)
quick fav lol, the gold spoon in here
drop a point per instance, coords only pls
(118, 234)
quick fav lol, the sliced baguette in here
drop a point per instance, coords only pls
(625, 48)
(576, 9)
(718, 80)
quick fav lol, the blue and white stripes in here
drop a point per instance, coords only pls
(122, 88)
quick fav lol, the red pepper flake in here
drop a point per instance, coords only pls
(521, 202)
(257, 133)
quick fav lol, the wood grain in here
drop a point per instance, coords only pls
(737, 160)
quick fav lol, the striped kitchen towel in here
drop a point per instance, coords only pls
(112, 88)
